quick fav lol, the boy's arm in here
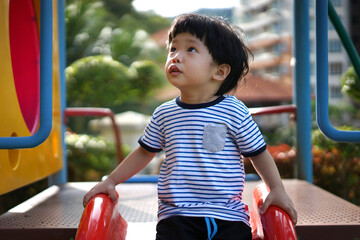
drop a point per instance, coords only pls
(131, 165)
(266, 168)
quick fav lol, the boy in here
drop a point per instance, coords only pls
(204, 134)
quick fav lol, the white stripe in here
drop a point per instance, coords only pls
(191, 176)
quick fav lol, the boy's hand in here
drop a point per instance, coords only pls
(279, 198)
(107, 187)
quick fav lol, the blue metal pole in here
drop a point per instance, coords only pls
(45, 86)
(322, 82)
(61, 177)
(302, 90)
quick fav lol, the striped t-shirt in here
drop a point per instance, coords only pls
(203, 172)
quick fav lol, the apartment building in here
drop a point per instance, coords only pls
(268, 25)
(338, 58)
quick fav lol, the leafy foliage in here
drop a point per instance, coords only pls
(90, 157)
(337, 166)
(148, 21)
(84, 20)
(146, 77)
(284, 157)
(90, 25)
(100, 81)
(118, 7)
(129, 46)
(97, 81)
(351, 84)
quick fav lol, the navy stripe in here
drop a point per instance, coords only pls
(257, 152)
(192, 173)
(196, 106)
(150, 149)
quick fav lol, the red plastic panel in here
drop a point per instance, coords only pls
(101, 220)
(25, 59)
(275, 224)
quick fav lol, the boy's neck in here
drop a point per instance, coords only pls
(197, 99)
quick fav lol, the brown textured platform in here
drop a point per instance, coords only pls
(56, 212)
(321, 215)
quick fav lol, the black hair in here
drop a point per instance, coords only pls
(223, 41)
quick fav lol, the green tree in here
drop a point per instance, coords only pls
(97, 81)
(128, 47)
(146, 77)
(106, 49)
(148, 21)
(111, 27)
(101, 81)
(119, 7)
(84, 20)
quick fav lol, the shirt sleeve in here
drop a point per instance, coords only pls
(249, 138)
(152, 138)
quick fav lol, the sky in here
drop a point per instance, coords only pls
(171, 8)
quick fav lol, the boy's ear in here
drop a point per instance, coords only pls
(222, 72)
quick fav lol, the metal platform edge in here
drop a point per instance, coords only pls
(322, 215)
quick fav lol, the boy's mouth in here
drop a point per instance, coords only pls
(174, 69)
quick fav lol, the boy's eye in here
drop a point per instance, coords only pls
(172, 49)
(191, 49)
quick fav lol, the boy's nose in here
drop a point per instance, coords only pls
(177, 58)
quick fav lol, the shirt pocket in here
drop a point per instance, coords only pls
(214, 137)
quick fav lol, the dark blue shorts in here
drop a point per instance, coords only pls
(201, 228)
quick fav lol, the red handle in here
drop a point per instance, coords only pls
(101, 220)
(274, 224)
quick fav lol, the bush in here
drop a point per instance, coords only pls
(284, 157)
(337, 166)
(89, 157)
(100, 81)
(97, 81)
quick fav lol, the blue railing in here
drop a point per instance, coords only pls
(302, 90)
(322, 83)
(46, 65)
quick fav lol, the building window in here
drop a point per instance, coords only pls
(336, 68)
(334, 46)
(336, 3)
(335, 92)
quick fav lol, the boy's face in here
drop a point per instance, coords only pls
(189, 65)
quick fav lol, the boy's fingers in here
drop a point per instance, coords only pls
(113, 196)
(293, 216)
(88, 196)
(266, 204)
(86, 200)
(264, 207)
(111, 191)
(290, 210)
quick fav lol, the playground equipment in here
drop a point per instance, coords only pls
(32, 142)
(25, 121)
(275, 223)
(101, 220)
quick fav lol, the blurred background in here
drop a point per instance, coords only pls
(116, 50)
